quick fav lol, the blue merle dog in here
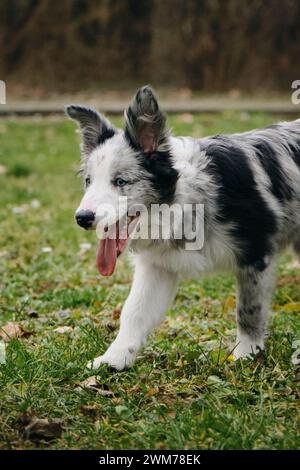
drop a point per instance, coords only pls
(249, 184)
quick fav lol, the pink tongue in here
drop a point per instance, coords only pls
(107, 256)
(109, 249)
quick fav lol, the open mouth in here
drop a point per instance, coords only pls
(114, 243)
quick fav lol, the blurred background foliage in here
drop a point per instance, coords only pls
(209, 45)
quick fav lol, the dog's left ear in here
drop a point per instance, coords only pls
(145, 124)
(94, 127)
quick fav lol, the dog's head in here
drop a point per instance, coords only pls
(124, 171)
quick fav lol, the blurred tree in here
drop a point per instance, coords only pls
(203, 44)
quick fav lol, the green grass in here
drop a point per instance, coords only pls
(184, 391)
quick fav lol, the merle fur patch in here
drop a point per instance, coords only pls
(240, 202)
(269, 161)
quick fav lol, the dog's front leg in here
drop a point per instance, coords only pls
(152, 291)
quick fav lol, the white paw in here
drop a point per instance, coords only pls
(247, 348)
(117, 357)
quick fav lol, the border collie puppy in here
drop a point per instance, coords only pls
(248, 184)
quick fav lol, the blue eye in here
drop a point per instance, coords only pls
(119, 182)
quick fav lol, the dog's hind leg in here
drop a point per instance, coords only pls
(152, 291)
(255, 287)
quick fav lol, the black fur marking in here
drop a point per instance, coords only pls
(260, 265)
(107, 133)
(245, 321)
(250, 310)
(295, 153)
(240, 202)
(269, 161)
(163, 175)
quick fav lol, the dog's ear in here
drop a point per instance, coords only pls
(145, 125)
(94, 127)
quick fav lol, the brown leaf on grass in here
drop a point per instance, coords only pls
(91, 410)
(91, 383)
(61, 330)
(105, 393)
(229, 304)
(135, 389)
(288, 280)
(151, 392)
(160, 445)
(12, 330)
(44, 286)
(117, 312)
(40, 428)
(3, 170)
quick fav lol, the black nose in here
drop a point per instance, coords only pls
(85, 218)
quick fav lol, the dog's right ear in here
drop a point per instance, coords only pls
(94, 127)
(145, 124)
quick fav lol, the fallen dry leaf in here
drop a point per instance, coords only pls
(11, 330)
(160, 445)
(3, 169)
(288, 280)
(91, 410)
(105, 393)
(63, 330)
(41, 428)
(91, 383)
(117, 312)
(151, 392)
(229, 304)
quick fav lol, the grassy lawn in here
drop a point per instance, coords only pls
(185, 391)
